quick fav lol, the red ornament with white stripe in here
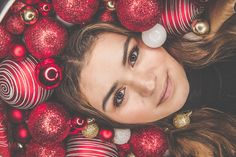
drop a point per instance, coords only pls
(80, 146)
(18, 86)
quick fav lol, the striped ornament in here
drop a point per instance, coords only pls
(18, 86)
(177, 15)
(80, 146)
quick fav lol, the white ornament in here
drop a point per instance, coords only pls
(121, 136)
(154, 37)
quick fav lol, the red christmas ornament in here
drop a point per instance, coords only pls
(36, 150)
(106, 134)
(45, 8)
(177, 15)
(48, 73)
(76, 11)
(77, 124)
(30, 2)
(18, 86)
(150, 141)
(17, 6)
(123, 149)
(46, 38)
(22, 134)
(29, 15)
(49, 123)
(138, 15)
(107, 16)
(18, 51)
(78, 146)
(16, 116)
(14, 24)
(5, 42)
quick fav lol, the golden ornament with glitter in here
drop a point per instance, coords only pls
(91, 130)
(200, 27)
(182, 120)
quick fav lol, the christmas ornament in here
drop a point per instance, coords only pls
(15, 115)
(90, 130)
(21, 133)
(138, 15)
(30, 2)
(149, 141)
(4, 146)
(131, 155)
(123, 149)
(5, 42)
(36, 150)
(177, 15)
(18, 86)
(4, 8)
(182, 120)
(121, 136)
(45, 8)
(14, 24)
(18, 51)
(78, 146)
(48, 73)
(154, 37)
(200, 27)
(110, 4)
(77, 124)
(29, 15)
(106, 134)
(46, 38)
(76, 11)
(107, 16)
(17, 6)
(49, 123)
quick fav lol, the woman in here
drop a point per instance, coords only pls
(112, 75)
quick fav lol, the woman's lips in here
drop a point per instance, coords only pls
(166, 90)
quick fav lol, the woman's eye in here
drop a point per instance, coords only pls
(119, 97)
(133, 56)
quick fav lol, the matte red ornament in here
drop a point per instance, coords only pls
(77, 124)
(18, 86)
(29, 15)
(30, 2)
(45, 8)
(106, 134)
(21, 133)
(18, 51)
(16, 115)
(76, 11)
(36, 150)
(49, 123)
(107, 16)
(149, 141)
(45, 38)
(5, 42)
(17, 6)
(138, 15)
(14, 24)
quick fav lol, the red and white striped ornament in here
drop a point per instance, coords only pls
(80, 146)
(18, 86)
(177, 15)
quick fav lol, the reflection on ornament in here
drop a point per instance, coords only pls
(22, 133)
(182, 120)
(16, 115)
(200, 27)
(91, 130)
(121, 136)
(110, 5)
(18, 51)
(106, 134)
(29, 15)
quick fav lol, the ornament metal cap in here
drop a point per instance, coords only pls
(182, 119)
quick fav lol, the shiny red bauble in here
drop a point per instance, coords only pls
(45, 38)
(77, 124)
(18, 51)
(16, 115)
(14, 24)
(49, 123)
(106, 134)
(21, 133)
(5, 42)
(45, 8)
(76, 11)
(138, 15)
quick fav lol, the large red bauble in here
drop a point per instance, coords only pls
(36, 150)
(49, 123)
(138, 15)
(150, 141)
(80, 146)
(5, 41)
(45, 38)
(76, 11)
(14, 24)
(18, 86)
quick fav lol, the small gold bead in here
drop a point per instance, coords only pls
(110, 5)
(91, 130)
(200, 27)
(182, 120)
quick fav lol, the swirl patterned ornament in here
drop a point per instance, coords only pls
(18, 86)
(80, 146)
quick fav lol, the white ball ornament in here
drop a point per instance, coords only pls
(121, 136)
(154, 37)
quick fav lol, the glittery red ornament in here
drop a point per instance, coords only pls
(76, 11)
(17, 6)
(21, 133)
(107, 16)
(18, 86)
(106, 134)
(49, 123)
(45, 38)
(77, 124)
(16, 115)
(150, 141)
(5, 42)
(18, 51)
(30, 2)
(14, 24)
(45, 8)
(138, 15)
(36, 150)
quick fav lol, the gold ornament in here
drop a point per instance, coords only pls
(110, 5)
(29, 15)
(200, 27)
(130, 155)
(91, 130)
(90, 120)
(182, 120)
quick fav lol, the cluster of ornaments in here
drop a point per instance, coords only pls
(33, 33)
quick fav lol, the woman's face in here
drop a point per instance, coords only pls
(132, 83)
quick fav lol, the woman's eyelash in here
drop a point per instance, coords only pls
(133, 56)
(119, 97)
